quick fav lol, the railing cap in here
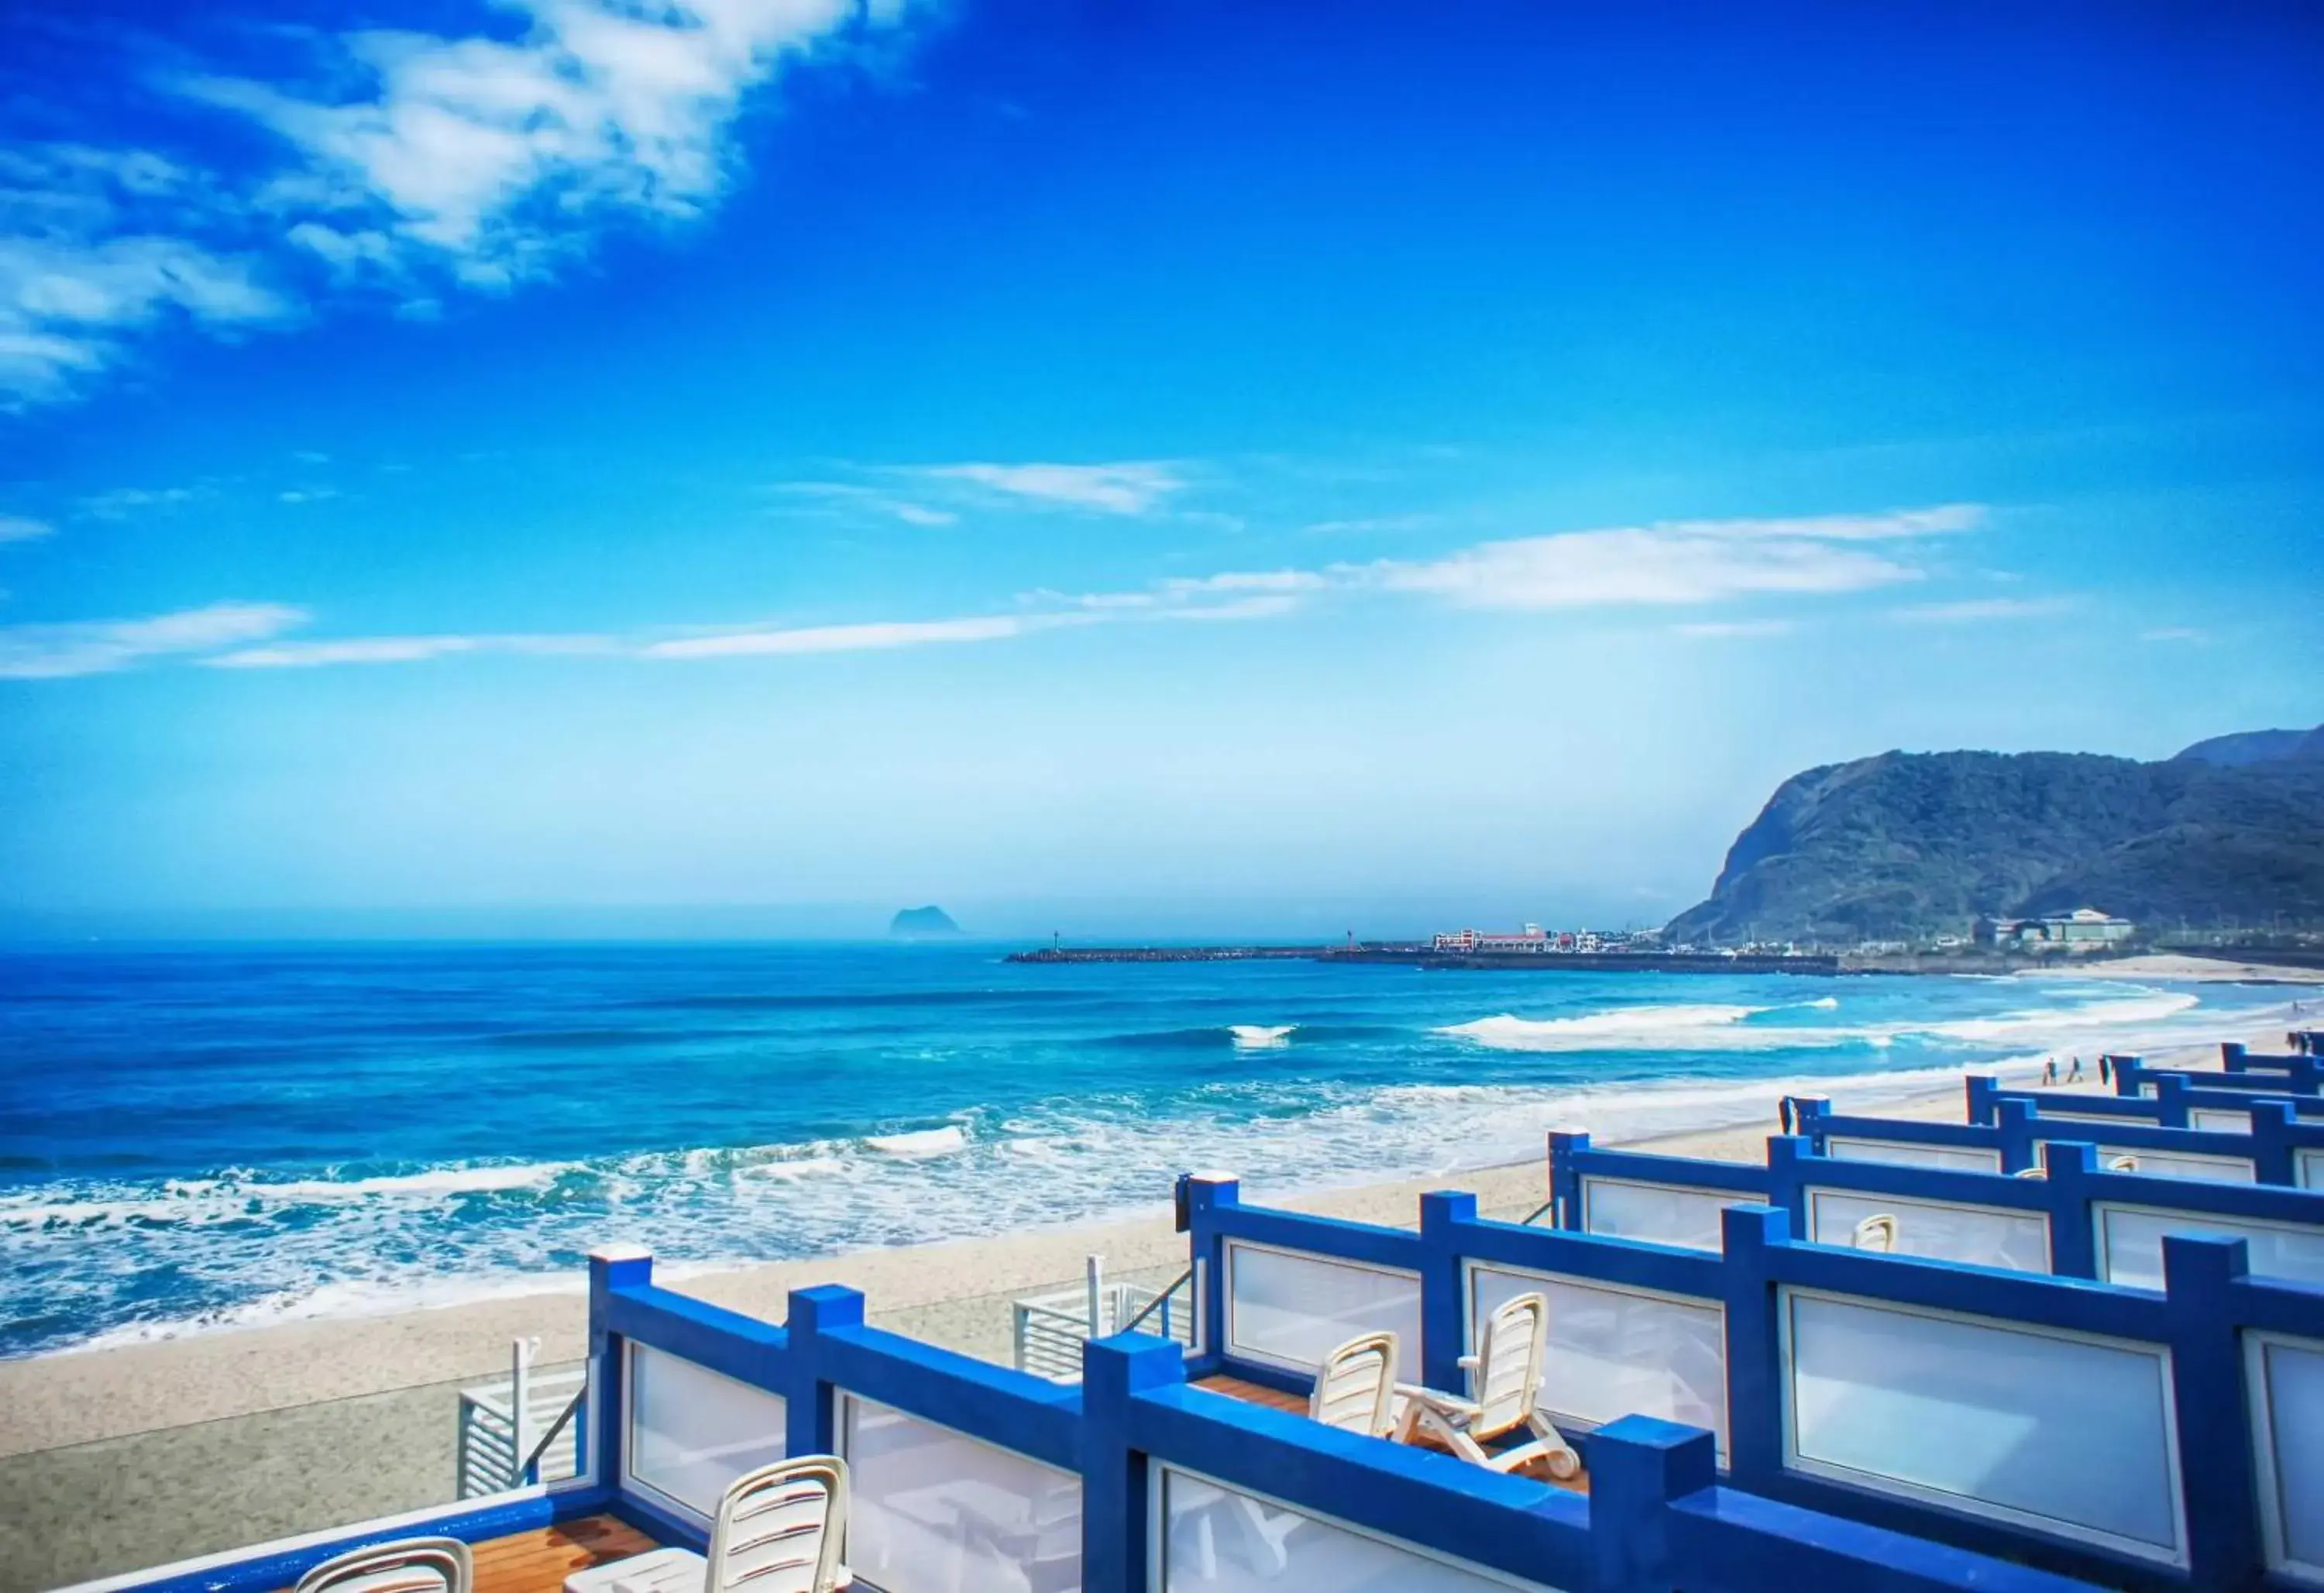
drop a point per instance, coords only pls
(617, 1253)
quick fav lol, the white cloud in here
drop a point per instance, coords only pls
(1980, 611)
(414, 162)
(121, 502)
(1126, 487)
(851, 492)
(16, 528)
(1735, 627)
(850, 638)
(362, 650)
(91, 647)
(312, 495)
(1676, 562)
(496, 159)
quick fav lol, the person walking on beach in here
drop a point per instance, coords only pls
(2050, 1070)
(2106, 1068)
(2074, 1073)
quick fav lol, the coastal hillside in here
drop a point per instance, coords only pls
(1906, 845)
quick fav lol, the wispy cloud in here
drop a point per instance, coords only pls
(122, 502)
(1680, 563)
(856, 494)
(284, 655)
(92, 647)
(853, 638)
(2174, 634)
(411, 164)
(1735, 627)
(1126, 487)
(17, 528)
(1984, 610)
(1673, 562)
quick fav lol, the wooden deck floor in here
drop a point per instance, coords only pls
(1275, 1399)
(540, 1562)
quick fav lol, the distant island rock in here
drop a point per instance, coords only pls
(921, 923)
(1906, 845)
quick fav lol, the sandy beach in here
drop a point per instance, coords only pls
(247, 1411)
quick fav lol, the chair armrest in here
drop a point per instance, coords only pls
(1467, 1362)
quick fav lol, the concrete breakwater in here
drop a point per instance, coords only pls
(1417, 956)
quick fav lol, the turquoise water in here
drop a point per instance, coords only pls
(204, 1138)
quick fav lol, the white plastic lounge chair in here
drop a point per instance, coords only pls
(1877, 1232)
(778, 1531)
(2122, 1164)
(415, 1565)
(1508, 1369)
(2032, 1173)
(1355, 1387)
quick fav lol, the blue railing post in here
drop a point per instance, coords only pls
(2274, 1159)
(1565, 1176)
(1637, 1466)
(1115, 1521)
(1755, 1371)
(2070, 1166)
(1982, 1089)
(2013, 1120)
(1208, 1195)
(1808, 1113)
(810, 1402)
(2127, 1071)
(1786, 1184)
(611, 1267)
(2201, 1277)
(2171, 1100)
(2234, 1057)
(1443, 1320)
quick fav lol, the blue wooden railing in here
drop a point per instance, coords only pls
(2199, 1322)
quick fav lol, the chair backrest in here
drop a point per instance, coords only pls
(1877, 1232)
(2122, 1164)
(780, 1528)
(1510, 1364)
(414, 1565)
(1355, 1388)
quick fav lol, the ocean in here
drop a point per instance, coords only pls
(203, 1138)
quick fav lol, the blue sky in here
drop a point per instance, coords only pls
(738, 465)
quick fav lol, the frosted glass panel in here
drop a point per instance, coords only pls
(1218, 1541)
(2308, 1168)
(2291, 1381)
(1999, 1420)
(2218, 1120)
(2173, 1164)
(1297, 1309)
(1613, 1353)
(1656, 1214)
(2110, 1118)
(693, 1430)
(1980, 1235)
(2130, 1245)
(1906, 1154)
(934, 1511)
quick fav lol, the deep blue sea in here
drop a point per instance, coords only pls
(212, 1137)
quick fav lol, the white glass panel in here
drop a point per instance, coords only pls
(2176, 1165)
(2060, 1432)
(1615, 1352)
(1980, 1235)
(1656, 1214)
(934, 1511)
(1218, 1541)
(2291, 1381)
(1907, 1153)
(1297, 1309)
(2110, 1118)
(2218, 1120)
(693, 1430)
(2308, 1168)
(2130, 1241)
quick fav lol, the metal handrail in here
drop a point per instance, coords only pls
(1151, 1306)
(532, 1461)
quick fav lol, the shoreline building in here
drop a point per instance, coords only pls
(1533, 937)
(2085, 929)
